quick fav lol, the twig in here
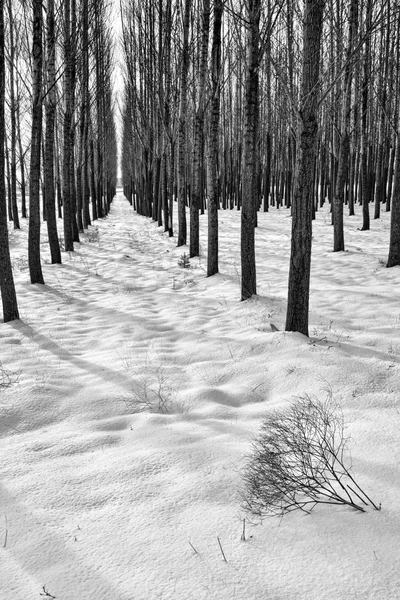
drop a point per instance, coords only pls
(6, 535)
(223, 554)
(194, 549)
(46, 593)
(243, 536)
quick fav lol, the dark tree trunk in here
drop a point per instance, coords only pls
(7, 289)
(250, 154)
(13, 138)
(49, 182)
(67, 126)
(35, 269)
(394, 245)
(198, 159)
(182, 227)
(344, 148)
(300, 256)
(213, 143)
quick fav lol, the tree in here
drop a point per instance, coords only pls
(13, 111)
(394, 244)
(7, 288)
(182, 191)
(344, 148)
(198, 159)
(35, 268)
(300, 254)
(213, 142)
(250, 158)
(50, 103)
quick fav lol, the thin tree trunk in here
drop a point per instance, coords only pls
(344, 148)
(250, 156)
(394, 244)
(13, 139)
(49, 182)
(67, 125)
(213, 143)
(7, 288)
(35, 269)
(198, 159)
(364, 133)
(182, 227)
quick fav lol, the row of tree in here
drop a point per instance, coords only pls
(249, 104)
(69, 137)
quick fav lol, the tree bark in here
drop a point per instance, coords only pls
(344, 147)
(13, 139)
(300, 256)
(7, 288)
(250, 154)
(67, 125)
(213, 143)
(198, 160)
(182, 227)
(35, 269)
(49, 183)
(394, 244)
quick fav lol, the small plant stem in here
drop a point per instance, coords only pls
(193, 548)
(223, 554)
(243, 536)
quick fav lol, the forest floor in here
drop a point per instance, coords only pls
(131, 390)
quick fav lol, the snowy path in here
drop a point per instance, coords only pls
(140, 387)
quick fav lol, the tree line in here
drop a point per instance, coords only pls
(58, 141)
(227, 104)
(253, 104)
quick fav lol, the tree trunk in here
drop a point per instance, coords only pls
(250, 154)
(7, 289)
(344, 148)
(67, 125)
(182, 227)
(365, 188)
(198, 159)
(300, 256)
(13, 139)
(35, 269)
(213, 143)
(394, 245)
(49, 183)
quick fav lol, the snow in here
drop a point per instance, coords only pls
(136, 389)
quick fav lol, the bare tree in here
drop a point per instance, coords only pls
(300, 256)
(250, 158)
(213, 142)
(35, 268)
(50, 102)
(182, 188)
(7, 288)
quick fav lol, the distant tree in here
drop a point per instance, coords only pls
(7, 288)
(182, 185)
(300, 255)
(13, 113)
(35, 269)
(344, 147)
(198, 157)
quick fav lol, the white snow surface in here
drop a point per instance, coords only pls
(105, 495)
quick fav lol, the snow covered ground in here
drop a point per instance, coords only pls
(130, 392)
